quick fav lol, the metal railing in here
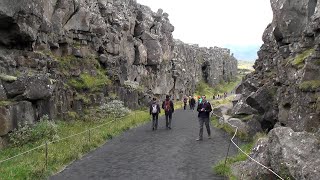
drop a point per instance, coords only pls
(232, 141)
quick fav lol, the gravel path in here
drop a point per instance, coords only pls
(141, 153)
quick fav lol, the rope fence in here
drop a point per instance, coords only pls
(231, 141)
(58, 140)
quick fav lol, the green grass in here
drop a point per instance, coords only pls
(60, 154)
(227, 100)
(70, 63)
(205, 89)
(244, 118)
(224, 169)
(309, 85)
(299, 59)
(89, 82)
(229, 129)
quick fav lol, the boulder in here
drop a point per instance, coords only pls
(217, 112)
(248, 86)
(153, 47)
(141, 54)
(254, 126)
(6, 123)
(22, 113)
(242, 108)
(103, 58)
(38, 87)
(261, 100)
(294, 154)
(242, 126)
(250, 170)
(15, 88)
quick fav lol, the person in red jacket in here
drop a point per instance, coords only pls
(168, 107)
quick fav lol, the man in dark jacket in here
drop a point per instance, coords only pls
(192, 103)
(204, 108)
(168, 107)
(154, 111)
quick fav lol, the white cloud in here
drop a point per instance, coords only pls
(216, 22)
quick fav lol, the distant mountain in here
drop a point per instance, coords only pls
(248, 53)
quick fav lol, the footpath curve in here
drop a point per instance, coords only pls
(141, 153)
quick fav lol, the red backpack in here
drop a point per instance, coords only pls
(167, 106)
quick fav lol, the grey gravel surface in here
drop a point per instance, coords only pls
(143, 154)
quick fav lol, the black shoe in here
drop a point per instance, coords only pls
(169, 127)
(199, 139)
(153, 129)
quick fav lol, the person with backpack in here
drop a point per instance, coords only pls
(185, 100)
(192, 103)
(168, 107)
(204, 108)
(154, 111)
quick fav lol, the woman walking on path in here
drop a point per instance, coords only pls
(154, 111)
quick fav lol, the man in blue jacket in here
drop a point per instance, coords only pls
(204, 108)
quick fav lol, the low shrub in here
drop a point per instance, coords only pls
(115, 108)
(28, 133)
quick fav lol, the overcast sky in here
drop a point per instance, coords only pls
(236, 24)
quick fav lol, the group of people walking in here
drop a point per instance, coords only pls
(204, 108)
(155, 110)
(192, 102)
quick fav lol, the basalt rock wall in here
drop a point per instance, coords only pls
(285, 87)
(283, 94)
(60, 57)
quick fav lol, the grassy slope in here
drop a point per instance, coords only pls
(204, 89)
(245, 65)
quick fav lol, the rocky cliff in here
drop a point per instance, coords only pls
(60, 57)
(284, 91)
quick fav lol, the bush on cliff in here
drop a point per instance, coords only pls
(90, 82)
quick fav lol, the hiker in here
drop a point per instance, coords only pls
(192, 103)
(168, 107)
(154, 111)
(204, 108)
(185, 100)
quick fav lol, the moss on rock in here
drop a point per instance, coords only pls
(310, 85)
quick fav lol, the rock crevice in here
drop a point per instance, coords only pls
(60, 57)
